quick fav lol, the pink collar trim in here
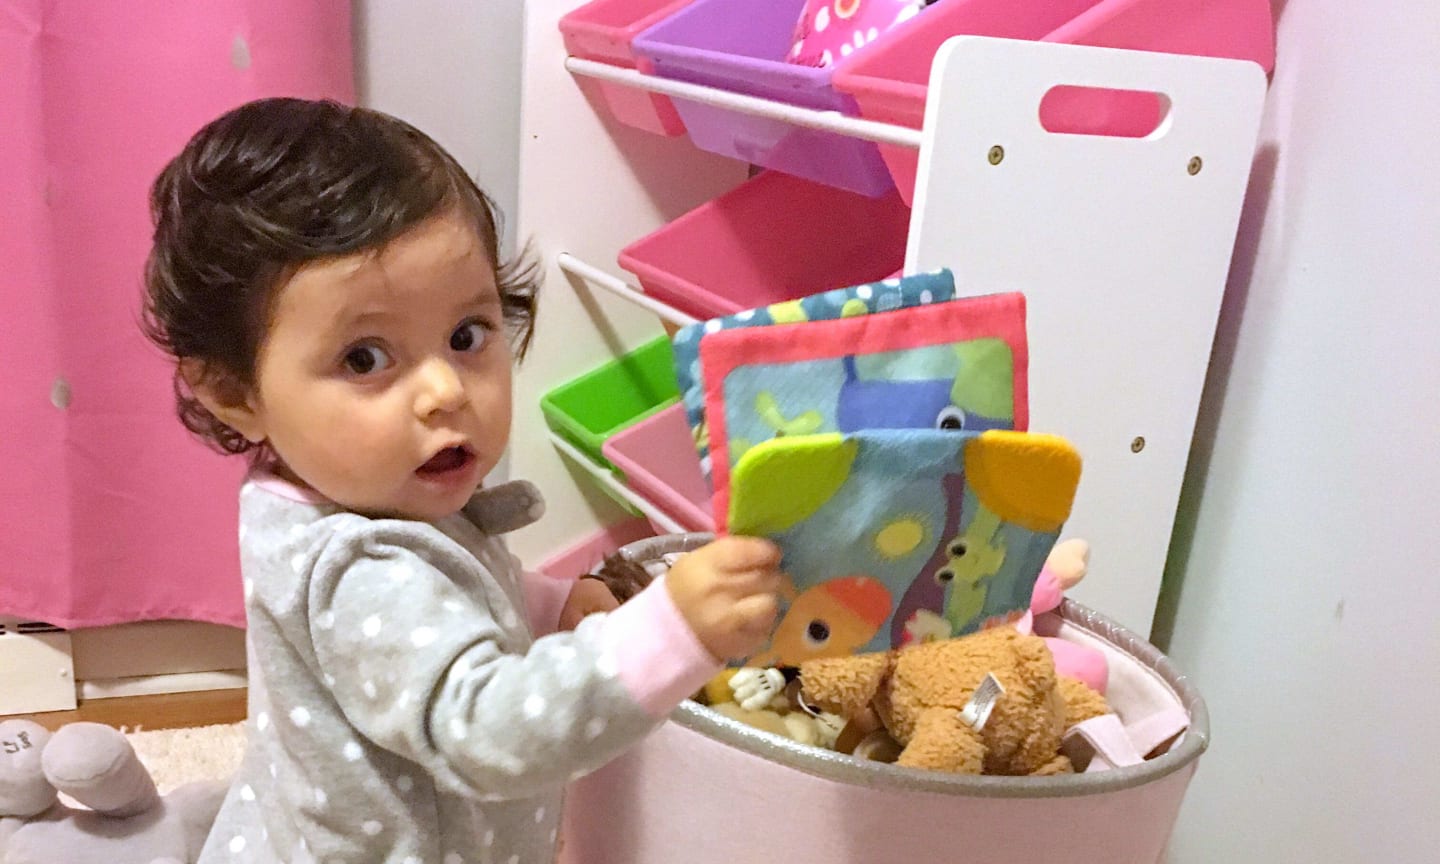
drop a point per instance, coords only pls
(266, 479)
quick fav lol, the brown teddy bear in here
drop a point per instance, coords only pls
(920, 693)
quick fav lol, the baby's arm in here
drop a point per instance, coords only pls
(425, 670)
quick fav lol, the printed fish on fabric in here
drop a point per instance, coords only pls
(901, 536)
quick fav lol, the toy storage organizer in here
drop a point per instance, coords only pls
(740, 46)
(1121, 244)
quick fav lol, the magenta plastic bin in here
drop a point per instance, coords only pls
(603, 31)
(658, 458)
(707, 790)
(890, 78)
(771, 239)
(740, 46)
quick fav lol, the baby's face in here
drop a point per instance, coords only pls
(383, 380)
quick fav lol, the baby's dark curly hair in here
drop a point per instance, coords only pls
(272, 185)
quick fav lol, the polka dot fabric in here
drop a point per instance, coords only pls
(867, 299)
(830, 30)
(402, 708)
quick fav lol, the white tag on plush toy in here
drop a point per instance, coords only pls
(977, 711)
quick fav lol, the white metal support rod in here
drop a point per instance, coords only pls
(825, 121)
(599, 278)
(606, 479)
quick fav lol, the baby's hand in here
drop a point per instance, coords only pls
(728, 593)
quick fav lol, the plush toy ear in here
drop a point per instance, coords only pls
(844, 685)
(24, 791)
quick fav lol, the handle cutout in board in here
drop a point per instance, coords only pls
(1069, 109)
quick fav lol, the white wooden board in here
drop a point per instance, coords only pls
(1121, 251)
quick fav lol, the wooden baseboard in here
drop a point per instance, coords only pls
(160, 711)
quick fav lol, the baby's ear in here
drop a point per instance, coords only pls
(225, 397)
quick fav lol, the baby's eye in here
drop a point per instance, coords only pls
(469, 336)
(365, 359)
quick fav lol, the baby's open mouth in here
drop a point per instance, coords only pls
(449, 459)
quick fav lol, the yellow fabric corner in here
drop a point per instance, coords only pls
(1025, 478)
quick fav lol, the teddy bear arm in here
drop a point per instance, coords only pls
(844, 685)
(1034, 663)
(943, 742)
(1081, 702)
(1059, 765)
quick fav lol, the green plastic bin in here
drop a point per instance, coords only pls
(588, 410)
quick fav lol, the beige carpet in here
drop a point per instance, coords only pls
(179, 756)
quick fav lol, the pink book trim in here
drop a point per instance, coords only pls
(1000, 316)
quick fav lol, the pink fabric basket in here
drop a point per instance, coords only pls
(712, 791)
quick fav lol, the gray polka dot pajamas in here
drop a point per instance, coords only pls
(402, 708)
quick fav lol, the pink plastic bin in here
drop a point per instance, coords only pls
(658, 459)
(583, 557)
(773, 238)
(603, 31)
(708, 790)
(889, 79)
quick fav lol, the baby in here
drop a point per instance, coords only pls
(328, 282)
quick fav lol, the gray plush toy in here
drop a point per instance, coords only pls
(127, 822)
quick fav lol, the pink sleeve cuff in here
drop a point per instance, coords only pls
(545, 596)
(659, 658)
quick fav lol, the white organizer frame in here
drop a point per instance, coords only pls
(1033, 223)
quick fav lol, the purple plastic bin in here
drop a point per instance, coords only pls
(603, 31)
(890, 79)
(740, 46)
(658, 459)
(771, 239)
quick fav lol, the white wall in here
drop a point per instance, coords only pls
(452, 68)
(1308, 610)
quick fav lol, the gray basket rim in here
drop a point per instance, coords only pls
(849, 770)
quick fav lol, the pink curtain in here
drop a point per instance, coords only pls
(109, 512)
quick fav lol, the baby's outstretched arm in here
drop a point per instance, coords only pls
(425, 670)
